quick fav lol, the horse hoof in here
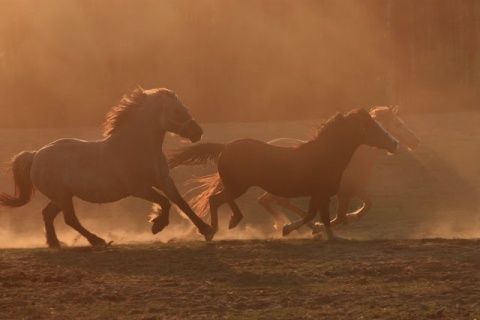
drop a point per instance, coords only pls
(286, 229)
(234, 222)
(209, 236)
(157, 227)
(159, 224)
(317, 229)
(98, 242)
(53, 243)
(209, 232)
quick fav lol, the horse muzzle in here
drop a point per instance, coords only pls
(413, 143)
(393, 146)
(192, 131)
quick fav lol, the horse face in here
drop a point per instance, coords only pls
(393, 124)
(376, 136)
(177, 119)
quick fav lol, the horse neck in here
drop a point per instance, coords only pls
(341, 147)
(143, 132)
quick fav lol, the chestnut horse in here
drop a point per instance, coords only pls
(129, 161)
(356, 174)
(312, 169)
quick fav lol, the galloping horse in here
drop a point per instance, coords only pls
(312, 169)
(356, 174)
(129, 161)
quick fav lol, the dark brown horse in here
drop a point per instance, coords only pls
(356, 174)
(128, 162)
(312, 169)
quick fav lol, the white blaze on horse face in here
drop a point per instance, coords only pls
(390, 136)
(403, 133)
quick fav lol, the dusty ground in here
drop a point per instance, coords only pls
(248, 279)
(415, 255)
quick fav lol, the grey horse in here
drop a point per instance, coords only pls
(129, 161)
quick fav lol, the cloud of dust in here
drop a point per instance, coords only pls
(229, 60)
(179, 230)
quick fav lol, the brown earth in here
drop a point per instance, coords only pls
(416, 254)
(245, 279)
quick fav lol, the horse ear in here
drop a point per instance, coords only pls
(395, 109)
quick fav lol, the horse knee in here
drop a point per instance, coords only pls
(50, 212)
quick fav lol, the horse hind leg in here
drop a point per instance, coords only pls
(237, 215)
(72, 221)
(342, 207)
(266, 200)
(218, 199)
(49, 213)
(367, 204)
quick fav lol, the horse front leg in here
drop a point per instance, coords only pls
(161, 208)
(161, 214)
(266, 200)
(312, 211)
(324, 207)
(171, 191)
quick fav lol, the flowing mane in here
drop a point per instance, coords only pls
(327, 126)
(127, 107)
(381, 113)
(379, 109)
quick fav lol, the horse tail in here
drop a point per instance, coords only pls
(24, 189)
(199, 153)
(208, 185)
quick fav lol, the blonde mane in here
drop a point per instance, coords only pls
(121, 113)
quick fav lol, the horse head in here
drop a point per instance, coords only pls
(371, 132)
(388, 117)
(175, 116)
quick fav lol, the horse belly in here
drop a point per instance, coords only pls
(278, 181)
(60, 172)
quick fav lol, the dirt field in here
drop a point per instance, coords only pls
(415, 255)
(249, 279)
